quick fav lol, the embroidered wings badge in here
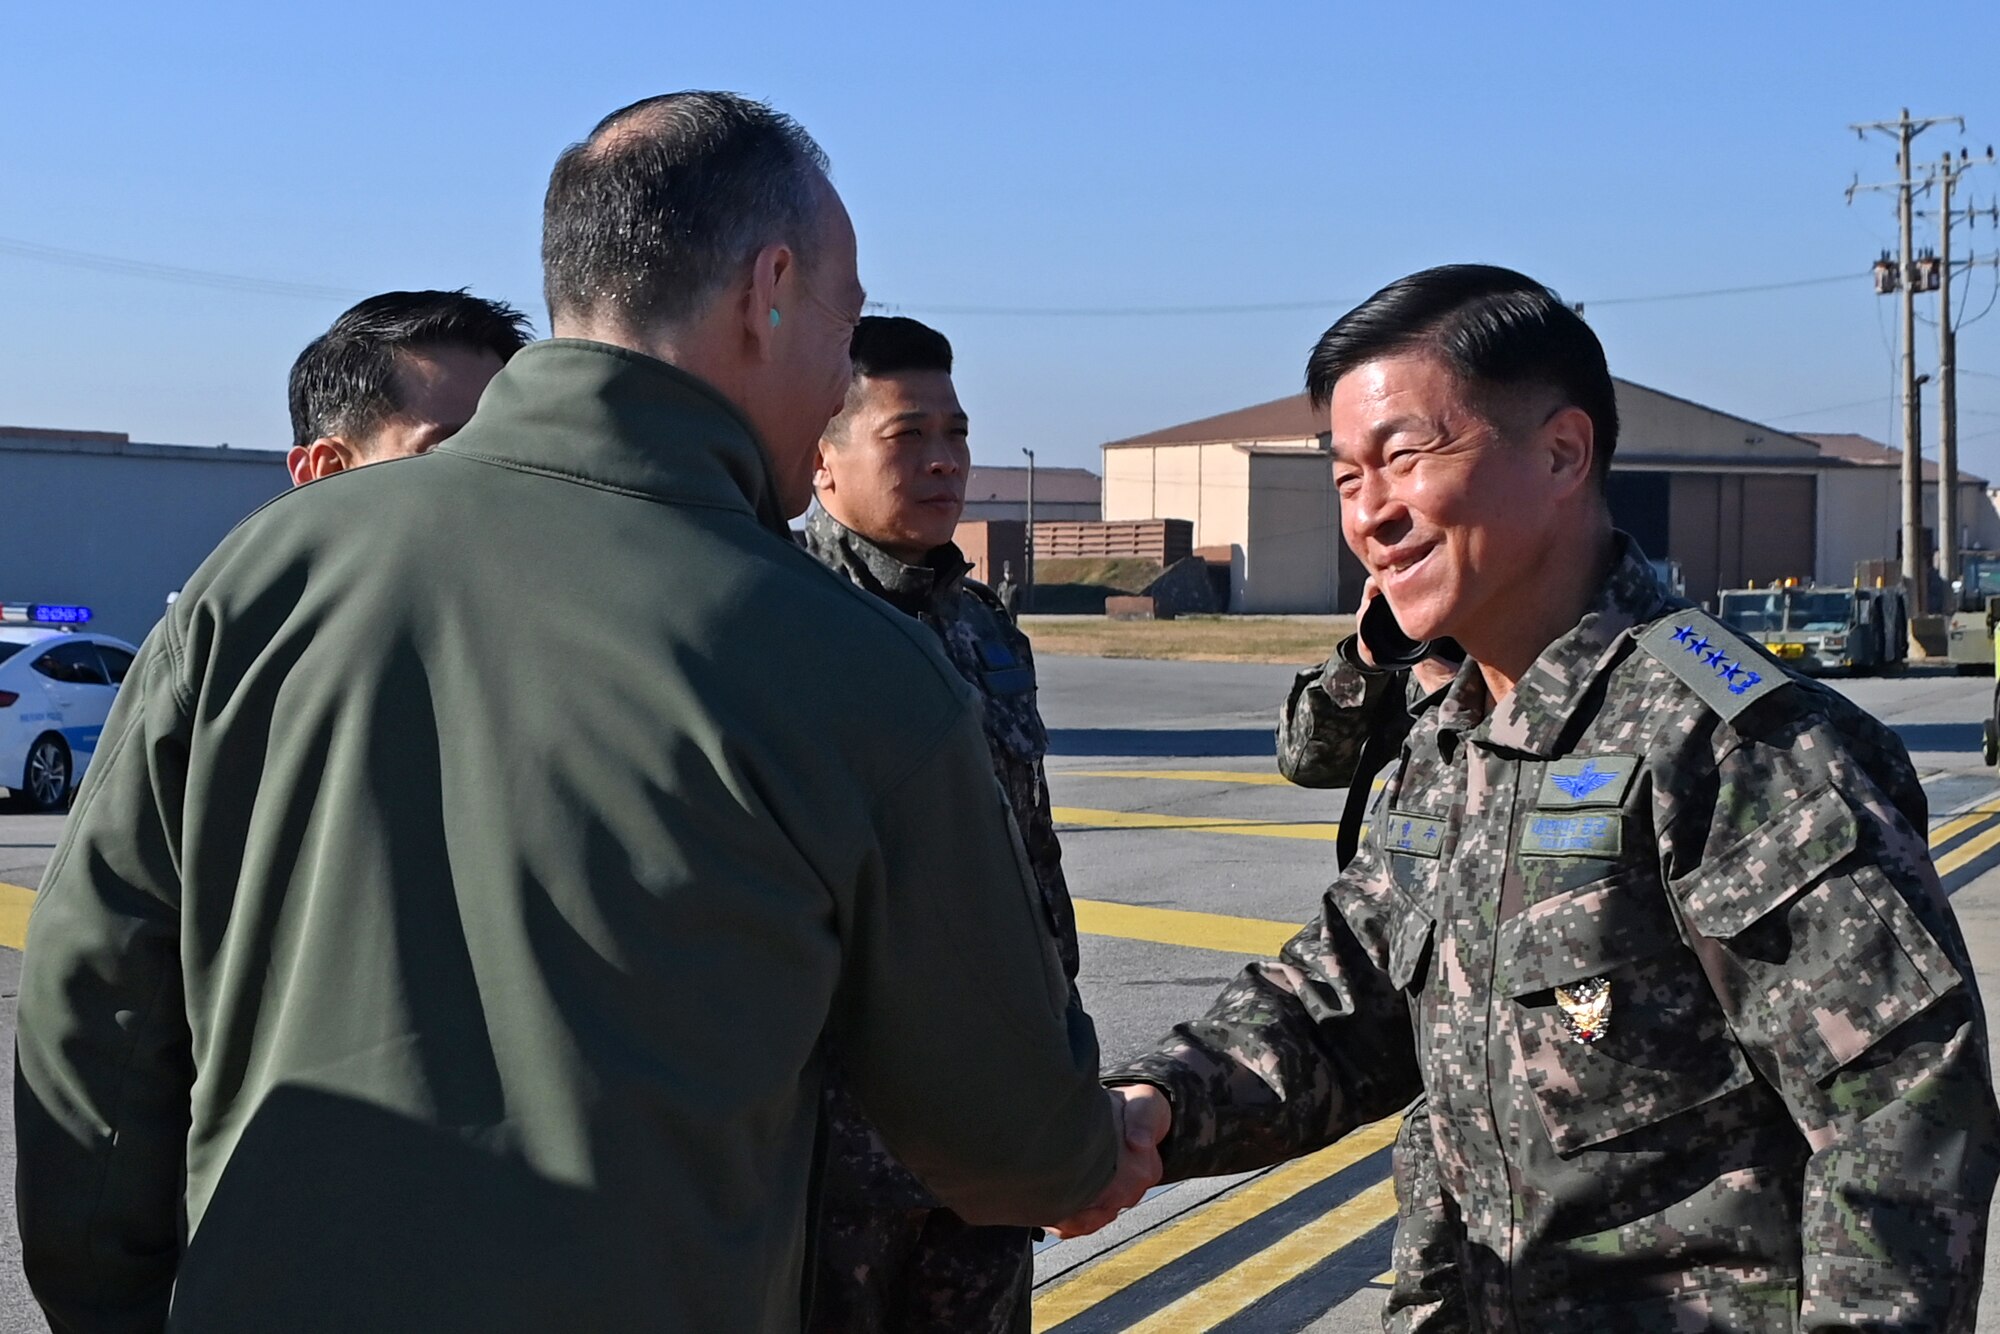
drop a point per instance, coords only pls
(1584, 781)
(1586, 1008)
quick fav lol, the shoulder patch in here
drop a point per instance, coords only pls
(1719, 665)
(1591, 780)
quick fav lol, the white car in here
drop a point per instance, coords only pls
(56, 689)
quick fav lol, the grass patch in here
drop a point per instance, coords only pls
(1300, 640)
(1078, 585)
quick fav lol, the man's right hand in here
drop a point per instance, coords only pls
(1144, 1118)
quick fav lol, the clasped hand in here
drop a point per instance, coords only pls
(1144, 1117)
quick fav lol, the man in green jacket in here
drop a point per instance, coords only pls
(489, 844)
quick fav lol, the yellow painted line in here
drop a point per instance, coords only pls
(1953, 828)
(1076, 815)
(16, 902)
(1172, 926)
(1967, 850)
(1235, 1290)
(1387, 1278)
(1127, 1265)
(1184, 775)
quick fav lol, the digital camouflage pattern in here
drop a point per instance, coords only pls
(1331, 715)
(1788, 1121)
(888, 1256)
(1343, 725)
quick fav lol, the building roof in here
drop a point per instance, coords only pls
(42, 440)
(1867, 453)
(1062, 486)
(1290, 418)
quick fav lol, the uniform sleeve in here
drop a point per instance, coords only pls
(1428, 1296)
(954, 1018)
(1327, 719)
(1296, 1052)
(103, 1067)
(1821, 924)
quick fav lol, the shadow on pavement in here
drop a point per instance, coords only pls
(1192, 743)
(1939, 736)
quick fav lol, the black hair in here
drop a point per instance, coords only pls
(886, 344)
(344, 383)
(668, 199)
(1495, 328)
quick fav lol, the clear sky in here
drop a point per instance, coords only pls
(1001, 158)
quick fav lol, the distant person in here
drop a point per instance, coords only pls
(394, 376)
(488, 849)
(1008, 591)
(891, 486)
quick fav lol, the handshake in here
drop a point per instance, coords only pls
(1144, 1117)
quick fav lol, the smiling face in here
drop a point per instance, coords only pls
(894, 467)
(1456, 516)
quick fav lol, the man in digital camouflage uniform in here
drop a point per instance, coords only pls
(1650, 922)
(891, 485)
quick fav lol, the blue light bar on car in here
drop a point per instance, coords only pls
(42, 613)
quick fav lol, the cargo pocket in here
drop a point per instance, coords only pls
(1660, 1048)
(1827, 957)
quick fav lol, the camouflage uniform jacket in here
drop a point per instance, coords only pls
(991, 653)
(1334, 713)
(1659, 939)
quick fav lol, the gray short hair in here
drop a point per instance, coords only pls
(667, 200)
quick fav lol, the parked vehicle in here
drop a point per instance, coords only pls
(1974, 610)
(57, 683)
(1820, 630)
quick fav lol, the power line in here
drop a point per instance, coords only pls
(172, 273)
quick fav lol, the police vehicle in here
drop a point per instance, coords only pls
(1821, 629)
(57, 682)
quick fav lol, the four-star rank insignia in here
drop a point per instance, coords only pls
(1586, 1008)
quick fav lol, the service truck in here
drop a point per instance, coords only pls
(1822, 629)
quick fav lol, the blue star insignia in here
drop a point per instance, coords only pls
(1713, 656)
(1698, 646)
(1683, 633)
(1584, 781)
(1727, 670)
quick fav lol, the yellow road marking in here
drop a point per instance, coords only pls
(1967, 850)
(1235, 1290)
(16, 902)
(1173, 926)
(1387, 1278)
(1953, 828)
(1075, 815)
(1185, 775)
(1127, 1265)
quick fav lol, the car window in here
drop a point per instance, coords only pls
(76, 664)
(117, 662)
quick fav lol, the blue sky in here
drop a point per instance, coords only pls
(1037, 156)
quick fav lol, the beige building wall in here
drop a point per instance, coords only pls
(1857, 521)
(1208, 485)
(1653, 423)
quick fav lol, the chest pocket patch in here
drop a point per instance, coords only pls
(1004, 673)
(1579, 834)
(1412, 834)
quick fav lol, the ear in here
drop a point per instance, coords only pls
(1570, 439)
(772, 274)
(822, 475)
(322, 458)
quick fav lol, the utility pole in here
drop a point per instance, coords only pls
(1905, 130)
(1028, 557)
(1946, 176)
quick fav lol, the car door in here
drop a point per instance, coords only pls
(81, 692)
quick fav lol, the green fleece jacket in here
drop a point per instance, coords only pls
(477, 861)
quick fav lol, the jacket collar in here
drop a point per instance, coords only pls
(622, 420)
(1537, 713)
(928, 589)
